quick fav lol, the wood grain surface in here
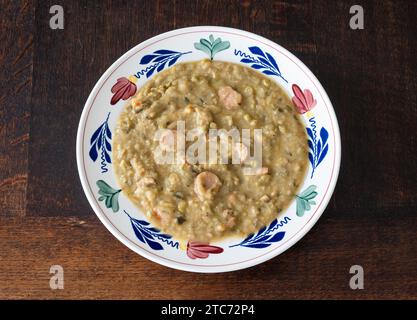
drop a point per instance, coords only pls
(46, 76)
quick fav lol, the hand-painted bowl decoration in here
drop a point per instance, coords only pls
(121, 81)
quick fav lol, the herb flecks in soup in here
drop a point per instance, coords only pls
(207, 201)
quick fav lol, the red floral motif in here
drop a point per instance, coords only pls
(201, 250)
(123, 89)
(303, 101)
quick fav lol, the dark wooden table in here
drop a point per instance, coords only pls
(45, 219)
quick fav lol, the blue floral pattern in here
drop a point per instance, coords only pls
(263, 61)
(149, 235)
(265, 236)
(159, 59)
(318, 145)
(100, 142)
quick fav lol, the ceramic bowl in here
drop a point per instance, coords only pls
(131, 71)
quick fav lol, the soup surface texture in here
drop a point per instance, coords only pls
(205, 201)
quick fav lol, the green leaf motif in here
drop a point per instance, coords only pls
(212, 46)
(109, 195)
(203, 48)
(115, 202)
(220, 47)
(217, 41)
(304, 200)
(205, 43)
(104, 187)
